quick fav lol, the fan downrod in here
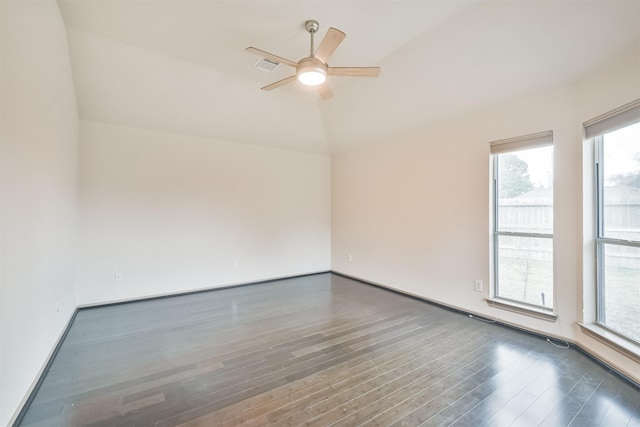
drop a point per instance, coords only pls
(311, 26)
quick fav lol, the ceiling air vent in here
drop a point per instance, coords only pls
(267, 65)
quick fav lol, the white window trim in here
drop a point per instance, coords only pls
(612, 340)
(519, 307)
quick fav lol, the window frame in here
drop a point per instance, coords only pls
(601, 240)
(503, 146)
(497, 233)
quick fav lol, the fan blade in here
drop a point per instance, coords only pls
(279, 83)
(325, 91)
(354, 71)
(329, 43)
(271, 56)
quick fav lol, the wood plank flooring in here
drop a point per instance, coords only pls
(318, 350)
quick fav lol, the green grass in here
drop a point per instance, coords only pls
(622, 300)
(525, 280)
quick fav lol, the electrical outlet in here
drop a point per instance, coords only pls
(235, 265)
(57, 306)
(117, 277)
(350, 258)
(478, 285)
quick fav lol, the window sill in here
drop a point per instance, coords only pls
(611, 340)
(528, 310)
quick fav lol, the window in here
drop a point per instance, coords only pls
(523, 220)
(616, 140)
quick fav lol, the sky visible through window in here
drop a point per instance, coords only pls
(622, 151)
(540, 166)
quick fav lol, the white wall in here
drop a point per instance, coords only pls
(413, 212)
(171, 213)
(39, 143)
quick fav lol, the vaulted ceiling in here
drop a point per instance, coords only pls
(180, 66)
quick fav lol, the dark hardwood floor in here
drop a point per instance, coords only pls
(317, 350)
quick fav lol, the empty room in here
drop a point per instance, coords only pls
(300, 212)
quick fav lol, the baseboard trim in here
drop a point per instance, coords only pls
(614, 370)
(21, 412)
(196, 291)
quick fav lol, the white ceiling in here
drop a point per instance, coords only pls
(180, 66)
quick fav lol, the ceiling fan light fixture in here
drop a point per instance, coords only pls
(311, 75)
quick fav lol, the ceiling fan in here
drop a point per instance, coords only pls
(313, 69)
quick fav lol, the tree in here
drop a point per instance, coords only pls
(514, 176)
